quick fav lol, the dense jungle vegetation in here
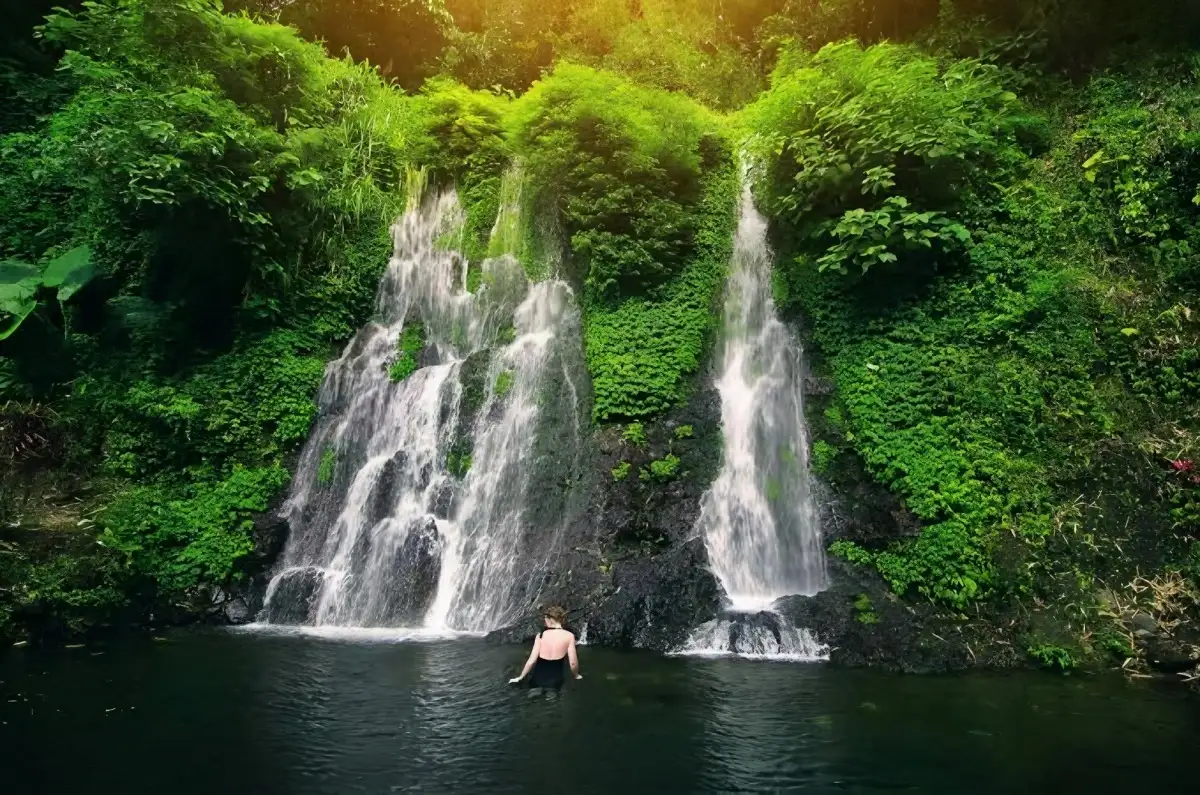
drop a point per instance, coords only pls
(987, 215)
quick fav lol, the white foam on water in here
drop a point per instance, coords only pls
(716, 639)
(355, 634)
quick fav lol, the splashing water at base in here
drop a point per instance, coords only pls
(759, 635)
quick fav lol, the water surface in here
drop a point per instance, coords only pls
(223, 712)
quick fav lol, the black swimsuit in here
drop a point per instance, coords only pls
(548, 674)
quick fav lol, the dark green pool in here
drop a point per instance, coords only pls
(221, 712)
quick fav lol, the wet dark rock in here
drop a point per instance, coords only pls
(383, 494)
(295, 597)
(443, 500)
(1143, 624)
(1170, 656)
(428, 356)
(746, 625)
(814, 386)
(269, 534)
(865, 624)
(237, 611)
(417, 572)
(657, 600)
(648, 603)
(861, 510)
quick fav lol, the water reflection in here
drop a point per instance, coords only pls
(299, 716)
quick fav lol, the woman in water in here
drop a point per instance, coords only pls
(553, 648)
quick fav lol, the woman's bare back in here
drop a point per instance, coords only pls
(555, 644)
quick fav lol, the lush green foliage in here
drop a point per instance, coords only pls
(1052, 357)
(647, 206)
(402, 38)
(185, 540)
(864, 151)
(635, 434)
(1054, 657)
(1004, 298)
(20, 283)
(821, 456)
(234, 187)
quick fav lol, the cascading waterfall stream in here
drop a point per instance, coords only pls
(758, 519)
(407, 505)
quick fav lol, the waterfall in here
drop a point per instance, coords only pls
(408, 500)
(758, 519)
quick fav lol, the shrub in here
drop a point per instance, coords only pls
(864, 150)
(635, 434)
(662, 469)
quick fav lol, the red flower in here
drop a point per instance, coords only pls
(1182, 465)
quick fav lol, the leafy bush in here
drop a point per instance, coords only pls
(1054, 657)
(183, 541)
(635, 434)
(662, 469)
(401, 37)
(464, 139)
(21, 282)
(620, 471)
(624, 181)
(863, 150)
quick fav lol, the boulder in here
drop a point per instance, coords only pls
(657, 600)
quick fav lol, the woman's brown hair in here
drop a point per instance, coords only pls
(556, 613)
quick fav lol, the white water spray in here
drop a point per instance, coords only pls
(384, 534)
(758, 520)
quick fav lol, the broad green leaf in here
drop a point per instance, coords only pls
(1094, 159)
(69, 272)
(12, 272)
(1129, 332)
(16, 300)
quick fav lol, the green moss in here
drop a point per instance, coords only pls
(458, 461)
(648, 209)
(822, 456)
(773, 489)
(684, 432)
(864, 611)
(504, 382)
(326, 468)
(412, 342)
